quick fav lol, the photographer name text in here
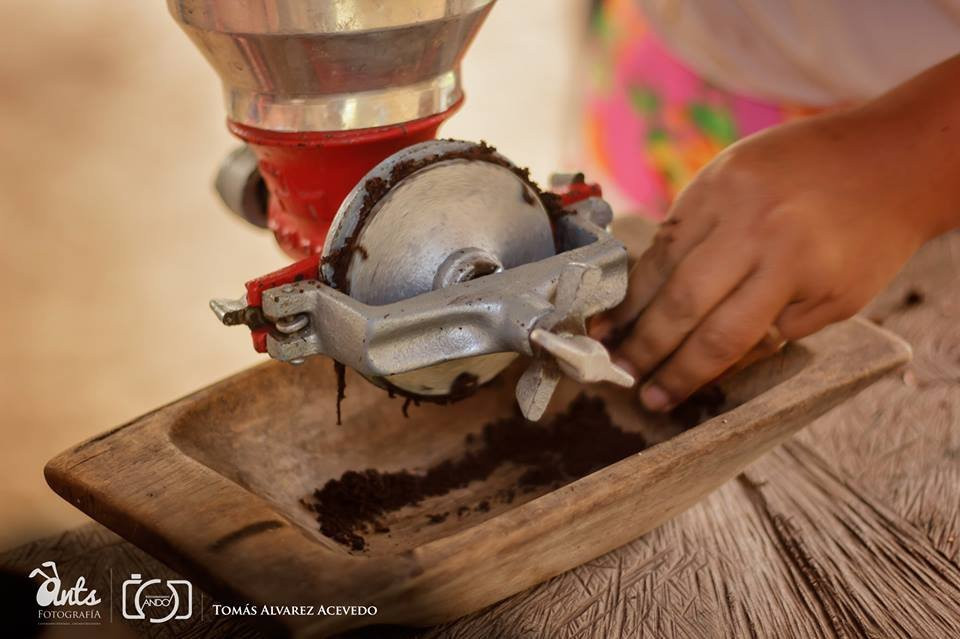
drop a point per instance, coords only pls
(251, 610)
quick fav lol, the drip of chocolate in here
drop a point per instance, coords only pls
(341, 372)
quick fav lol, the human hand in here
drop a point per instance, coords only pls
(782, 234)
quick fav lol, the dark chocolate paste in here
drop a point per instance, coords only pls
(913, 297)
(707, 402)
(568, 446)
(463, 386)
(618, 334)
(341, 372)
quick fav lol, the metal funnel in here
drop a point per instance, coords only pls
(333, 65)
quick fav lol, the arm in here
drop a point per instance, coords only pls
(793, 228)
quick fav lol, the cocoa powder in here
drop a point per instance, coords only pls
(568, 446)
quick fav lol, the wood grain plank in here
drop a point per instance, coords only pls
(789, 549)
(901, 440)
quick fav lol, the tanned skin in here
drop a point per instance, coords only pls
(793, 228)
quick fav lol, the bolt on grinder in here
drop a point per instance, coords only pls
(428, 266)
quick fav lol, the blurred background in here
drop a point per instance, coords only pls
(112, 240)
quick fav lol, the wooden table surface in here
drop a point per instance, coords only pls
(852, 529)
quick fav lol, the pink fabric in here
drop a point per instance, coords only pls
(651, 122)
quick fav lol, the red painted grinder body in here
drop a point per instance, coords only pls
(308, 174)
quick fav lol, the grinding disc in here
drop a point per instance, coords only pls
(445, 214)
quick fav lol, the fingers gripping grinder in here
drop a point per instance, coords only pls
(443, 261)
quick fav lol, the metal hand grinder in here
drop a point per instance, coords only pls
(444, 262)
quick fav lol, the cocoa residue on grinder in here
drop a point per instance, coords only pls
(374, 189)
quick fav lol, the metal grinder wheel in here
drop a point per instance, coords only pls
(453, 212)
(444, 264)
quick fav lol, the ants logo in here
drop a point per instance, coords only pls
(64, 606)
(157, 605)
(52, 593)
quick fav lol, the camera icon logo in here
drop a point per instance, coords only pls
(157, 600)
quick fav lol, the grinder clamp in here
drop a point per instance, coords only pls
(442, 266)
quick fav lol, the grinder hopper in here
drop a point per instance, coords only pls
(323, 90)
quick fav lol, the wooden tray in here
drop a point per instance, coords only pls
(212, 484)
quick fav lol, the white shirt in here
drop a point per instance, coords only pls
(808, 52)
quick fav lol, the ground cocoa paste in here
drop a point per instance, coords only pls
(707, 402)
(568, 446)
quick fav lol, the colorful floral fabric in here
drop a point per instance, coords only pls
(651, 122)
